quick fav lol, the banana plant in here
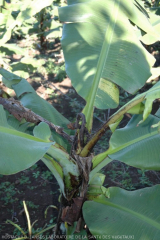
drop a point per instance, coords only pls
(102, 44)
(14, 14)
(20, 18)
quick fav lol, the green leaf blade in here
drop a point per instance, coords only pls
(42, 131)
(19, 150)
(137, 146)
(103, 49)
(31, 100)
(125, 213)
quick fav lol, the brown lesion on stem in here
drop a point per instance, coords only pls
(15, 108)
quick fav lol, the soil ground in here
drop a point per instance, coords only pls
(36, 185)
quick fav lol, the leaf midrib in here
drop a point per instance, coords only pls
(102, 59)
(133, 213)
(20, 134)
(136, 140)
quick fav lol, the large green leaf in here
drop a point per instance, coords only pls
(102, 50)
(137, 146)
(18, 150)
(125, 213)
(31, 100)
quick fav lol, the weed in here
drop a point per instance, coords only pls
(57, 70)
(75, 105)
(144, 180)
(113, 174)
(60, 73)
(47, 175)
(24, 179)
(8, 191)
(127, 184)
(36, 174)
(50, 66)
(16, 232)
(31, 205)
(121, 176)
